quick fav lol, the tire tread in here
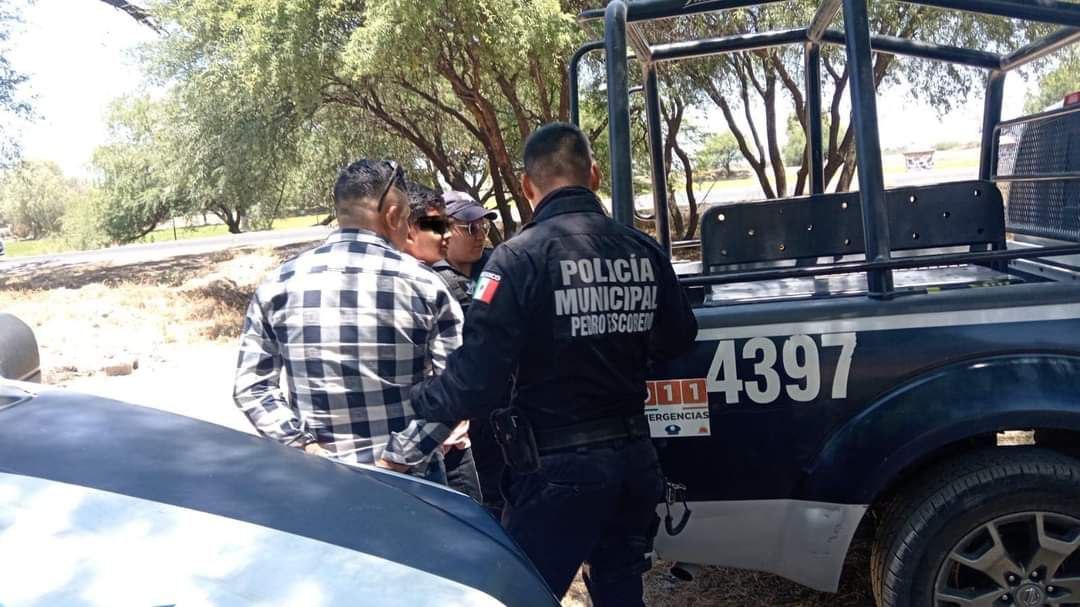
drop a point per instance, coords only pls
(904, 520)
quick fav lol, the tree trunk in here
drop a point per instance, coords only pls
(691, 198)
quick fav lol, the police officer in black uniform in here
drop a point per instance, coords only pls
(573, 308)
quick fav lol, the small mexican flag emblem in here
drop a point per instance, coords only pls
(486, 287)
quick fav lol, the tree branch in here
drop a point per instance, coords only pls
(137, 13)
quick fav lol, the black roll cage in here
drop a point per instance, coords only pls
(621, 19)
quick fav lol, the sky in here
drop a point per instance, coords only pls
(79, 55)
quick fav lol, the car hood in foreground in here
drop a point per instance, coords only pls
(422, 539)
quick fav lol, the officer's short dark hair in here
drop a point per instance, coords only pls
(362, 180)
(558, 150)
(422, 199)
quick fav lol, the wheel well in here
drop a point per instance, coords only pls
(1066, 442)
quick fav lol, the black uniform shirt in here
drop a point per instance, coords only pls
(461, 286)
(575, 305)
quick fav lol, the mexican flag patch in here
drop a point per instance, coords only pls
(486, 287)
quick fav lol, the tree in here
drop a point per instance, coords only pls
(719, 152)
(136, 12)
(34, 196)
(673, 113)
(462, 82)
(13, 107)
(1055, 84)
(795, 148)
(138, 176)
(749, 86)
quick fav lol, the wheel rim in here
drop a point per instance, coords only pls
(1030, 559)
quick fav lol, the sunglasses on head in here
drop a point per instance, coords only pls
(397, 175)
(431, 223)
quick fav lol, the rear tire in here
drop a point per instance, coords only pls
(991, 524)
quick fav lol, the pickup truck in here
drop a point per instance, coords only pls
(903, 363)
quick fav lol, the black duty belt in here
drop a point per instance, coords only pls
(591, 433)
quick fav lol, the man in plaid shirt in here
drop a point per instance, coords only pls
(354, 323)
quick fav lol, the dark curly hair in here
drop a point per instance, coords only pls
(422, 199)
(363, 180)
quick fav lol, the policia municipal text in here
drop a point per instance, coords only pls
(573, 308)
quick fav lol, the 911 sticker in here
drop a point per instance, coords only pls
(799, 358)
(678, 408)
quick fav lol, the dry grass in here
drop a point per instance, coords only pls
(718, 587)
(90, 316)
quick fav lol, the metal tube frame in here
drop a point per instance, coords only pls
(647, 10)
(814, 143)
(1067, 176)
(1004, 124)
(675, 51)
(901, 263)
(656, 158)
(860, 45)
(727, 44)
(618, 94)
(875, 213)
(1040, 48)
(995, 93)
(1046, 11)
(573, 71)
(925, 50)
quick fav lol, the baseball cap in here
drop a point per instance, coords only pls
(462, 207)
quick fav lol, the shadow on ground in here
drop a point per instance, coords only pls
(171, 272)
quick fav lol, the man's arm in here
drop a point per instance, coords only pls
(421, 438)
(675, 328)
(257, 389)
(476, 375)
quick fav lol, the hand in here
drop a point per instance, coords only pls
(389, 465)
(458, 439)
(315, 449)
(461, 444)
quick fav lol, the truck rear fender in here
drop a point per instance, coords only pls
(939, 408)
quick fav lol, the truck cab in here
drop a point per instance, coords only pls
(910, 352)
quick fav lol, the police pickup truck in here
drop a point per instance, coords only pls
(904, 362)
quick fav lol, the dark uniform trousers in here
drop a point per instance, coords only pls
(573, 308)
(595, 504)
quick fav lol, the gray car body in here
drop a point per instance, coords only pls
(19, 357)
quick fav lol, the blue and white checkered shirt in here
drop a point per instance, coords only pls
(354, 323)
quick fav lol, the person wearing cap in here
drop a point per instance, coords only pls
(574, 308)
(427, 239)
(466, 255)
(467, 251)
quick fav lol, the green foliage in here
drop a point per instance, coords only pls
(81, 225)
(447, 88)
(719, 153)
(140, 180)
(34, 196)
(1062, 79)
(795, 148)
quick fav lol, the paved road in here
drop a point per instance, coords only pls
(138, 253)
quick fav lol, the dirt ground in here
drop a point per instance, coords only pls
(162, 334)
